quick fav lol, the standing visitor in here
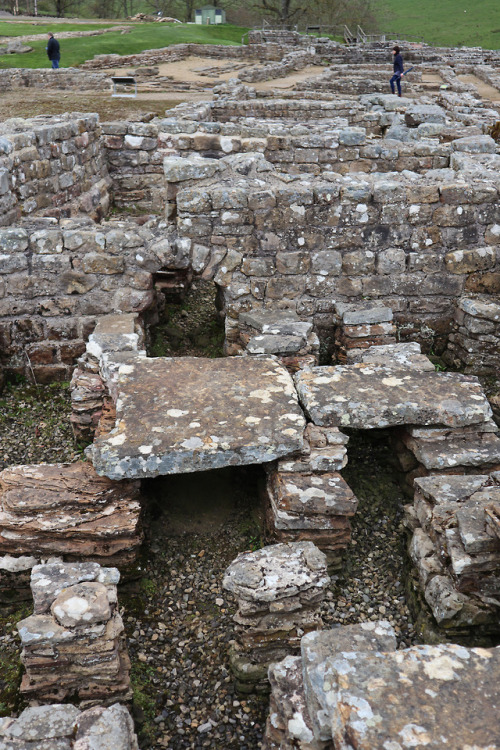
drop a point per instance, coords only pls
(53, 51)
(398, 70)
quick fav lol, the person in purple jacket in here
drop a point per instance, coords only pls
(398, 70)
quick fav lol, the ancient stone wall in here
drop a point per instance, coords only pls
(63, 79)
(58, 279)
(180, 51)
(52, 167)
(415, 244)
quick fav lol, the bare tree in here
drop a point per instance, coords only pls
(283, 11)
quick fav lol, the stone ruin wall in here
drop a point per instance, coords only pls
(52, 167)
(346, 230)
(65, 79)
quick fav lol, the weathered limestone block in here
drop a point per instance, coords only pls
(193, 414)
(319, 646)
(288, 724)
(74, 646)
(366, 711)
(400, 356)
(64, 727)
(66, 510)
(279, 591)
(365, 396)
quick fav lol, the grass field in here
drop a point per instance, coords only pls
(143, 36)
(468, 23)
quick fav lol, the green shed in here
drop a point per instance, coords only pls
(209, 14)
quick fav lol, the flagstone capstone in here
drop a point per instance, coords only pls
(188, 414)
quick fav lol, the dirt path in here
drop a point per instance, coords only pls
(484, 89)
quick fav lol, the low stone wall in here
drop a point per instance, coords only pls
(52, 167)
(60, 80)
(181, 51)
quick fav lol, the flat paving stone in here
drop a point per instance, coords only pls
(179, 415)
(425, 696)
(365, 396)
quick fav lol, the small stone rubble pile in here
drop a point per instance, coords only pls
(279, 592)
(307, 498)
(64, 727)
(341, 693)
(65, 510)
(474, 344)
(73, 644)
(359, 326)
(281, 333)
(455, 548)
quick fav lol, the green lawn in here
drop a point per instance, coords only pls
(23, 29)
(471, 23)
(143, 36)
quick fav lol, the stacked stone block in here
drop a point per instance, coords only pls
(281, 333)
(455, 548)
(53, 167)
(64, 727)
(73, 645)
(279, 591)
(67, 510)
(68, 79)
(474, 343)
(359, 326)
(79, 273)
(467, 449)
(116, 339)
(308, 499)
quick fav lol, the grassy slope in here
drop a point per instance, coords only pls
(444, 22)
(143, 36)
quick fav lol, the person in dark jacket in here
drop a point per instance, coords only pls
(398, 70)
(53, 51)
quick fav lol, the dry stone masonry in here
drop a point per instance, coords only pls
(455, 547)
(73, 645)
(279, 591)
(333, 218)
(65, 510)
(307, 498)
(360, 326)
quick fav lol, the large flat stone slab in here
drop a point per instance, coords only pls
(365, 396)
(425, 696)
(179, 415)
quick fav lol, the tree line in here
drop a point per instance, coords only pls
(240, 12)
